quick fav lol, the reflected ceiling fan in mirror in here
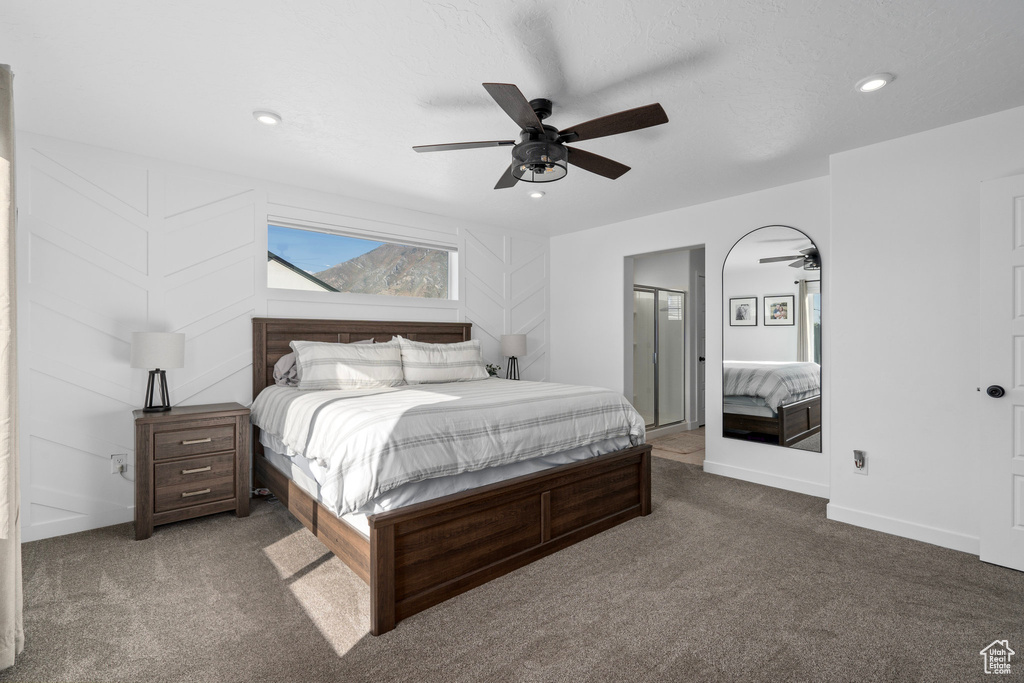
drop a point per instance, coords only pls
(808, 259)
(541, 155)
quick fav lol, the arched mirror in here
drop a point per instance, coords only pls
(771, 341)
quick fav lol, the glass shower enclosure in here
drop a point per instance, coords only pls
(659, 354)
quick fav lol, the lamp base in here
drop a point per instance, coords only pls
(165, 403)
(513, 368)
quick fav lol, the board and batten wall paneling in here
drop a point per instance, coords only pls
(110, 243)
(505, 280)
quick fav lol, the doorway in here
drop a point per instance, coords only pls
(659, 355)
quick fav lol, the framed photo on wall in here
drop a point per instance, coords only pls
(779, 310)
(743, 311)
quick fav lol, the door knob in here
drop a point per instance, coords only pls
(995, 391)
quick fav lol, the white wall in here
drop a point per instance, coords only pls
(901, 347)
(668, 270)
(109, 243)
(905, 352)
(587, 303)
(760, 342)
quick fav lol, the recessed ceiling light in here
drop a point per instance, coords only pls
(536, 194)
(267, 118)
(874, 82)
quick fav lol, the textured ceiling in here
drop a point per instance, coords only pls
(758, 92)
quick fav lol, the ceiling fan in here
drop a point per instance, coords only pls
(541, 156)
(808, 259)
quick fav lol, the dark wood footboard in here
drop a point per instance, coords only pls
(424, 554)
(794, 422)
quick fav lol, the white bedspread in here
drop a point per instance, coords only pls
(367, 442)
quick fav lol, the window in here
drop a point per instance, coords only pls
(300, 258)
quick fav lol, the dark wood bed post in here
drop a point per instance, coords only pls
(259, 382)
(423, 554)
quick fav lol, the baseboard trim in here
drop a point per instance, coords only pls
(904, 529)
(73, 525)
(774, 480)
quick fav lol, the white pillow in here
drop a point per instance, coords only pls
(425, 363)
(285, 372)
(323, 365)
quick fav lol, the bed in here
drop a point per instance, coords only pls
(418, 555)
(781, 401)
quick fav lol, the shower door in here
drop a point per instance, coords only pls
(659, 317)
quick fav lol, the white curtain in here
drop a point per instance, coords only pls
(805, 326)
(12, 636)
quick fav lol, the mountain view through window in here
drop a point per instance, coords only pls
(320, 261)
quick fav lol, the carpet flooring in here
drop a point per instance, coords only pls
(724, 581)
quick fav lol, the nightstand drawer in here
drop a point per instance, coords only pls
(194, 470)
(194, 441)
(195, 493)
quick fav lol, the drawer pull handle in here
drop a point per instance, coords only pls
(194, 441)
(186, 494)
(198, 469)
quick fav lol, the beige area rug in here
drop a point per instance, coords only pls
(686, 447)
(683, 442)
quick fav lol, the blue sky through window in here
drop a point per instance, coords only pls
(315, 251)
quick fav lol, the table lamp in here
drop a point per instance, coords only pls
(512, 347)
(162, 351)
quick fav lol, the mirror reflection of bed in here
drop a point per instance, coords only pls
(771, 339)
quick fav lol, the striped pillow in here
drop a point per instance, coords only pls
(285, 372)
(432, 363)
(323, 365)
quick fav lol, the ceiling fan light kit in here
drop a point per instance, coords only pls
(541, 156)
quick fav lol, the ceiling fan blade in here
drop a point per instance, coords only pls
(507, 179)
(775, 259)
(798, 264)
(613, 124)
(809, 251)
(463, 145)
(511, 99)
(595, 163)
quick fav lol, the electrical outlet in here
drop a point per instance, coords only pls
(118, 463)
(860, 462)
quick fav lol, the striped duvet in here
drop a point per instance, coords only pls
(366, 442)
(776, 383)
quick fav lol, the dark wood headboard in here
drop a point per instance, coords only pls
(270, 337)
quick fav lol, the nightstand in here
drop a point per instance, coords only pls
(190, 461)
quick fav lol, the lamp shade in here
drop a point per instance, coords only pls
(163, 350)
(513, 345)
